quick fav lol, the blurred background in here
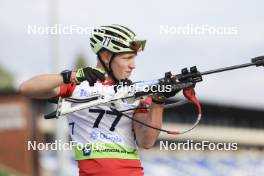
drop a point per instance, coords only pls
(208, 34)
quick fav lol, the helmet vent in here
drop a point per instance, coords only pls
(114, 34)
(126, 28)
(93, 41)
(120, 30)
(98, 37)
(116, 48)
(119, 44)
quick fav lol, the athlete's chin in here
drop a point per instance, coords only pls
(126, 76)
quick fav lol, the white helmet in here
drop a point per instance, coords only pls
(116, 39)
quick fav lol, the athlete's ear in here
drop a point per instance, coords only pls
(106, 56)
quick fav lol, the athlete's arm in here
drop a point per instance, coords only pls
(48, 85)
(42, 86)
(145, 136)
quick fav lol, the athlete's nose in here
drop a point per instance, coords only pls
(132, 64)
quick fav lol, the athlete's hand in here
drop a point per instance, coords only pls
(90, 74)
(168, 82)
(165, 89)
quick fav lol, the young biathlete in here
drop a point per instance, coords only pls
(110, 142)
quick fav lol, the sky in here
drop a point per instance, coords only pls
(26, 55)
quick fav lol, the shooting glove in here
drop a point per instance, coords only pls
(164, 89)
(90, 74)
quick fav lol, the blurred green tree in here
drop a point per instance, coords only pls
(6, 80)
(80, 62)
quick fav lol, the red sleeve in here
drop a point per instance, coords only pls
(66, 90)
(145, 103)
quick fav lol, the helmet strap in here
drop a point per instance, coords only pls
(108, 69)
(111, 73)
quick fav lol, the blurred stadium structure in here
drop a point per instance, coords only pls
(18, 124)
(22, 119)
